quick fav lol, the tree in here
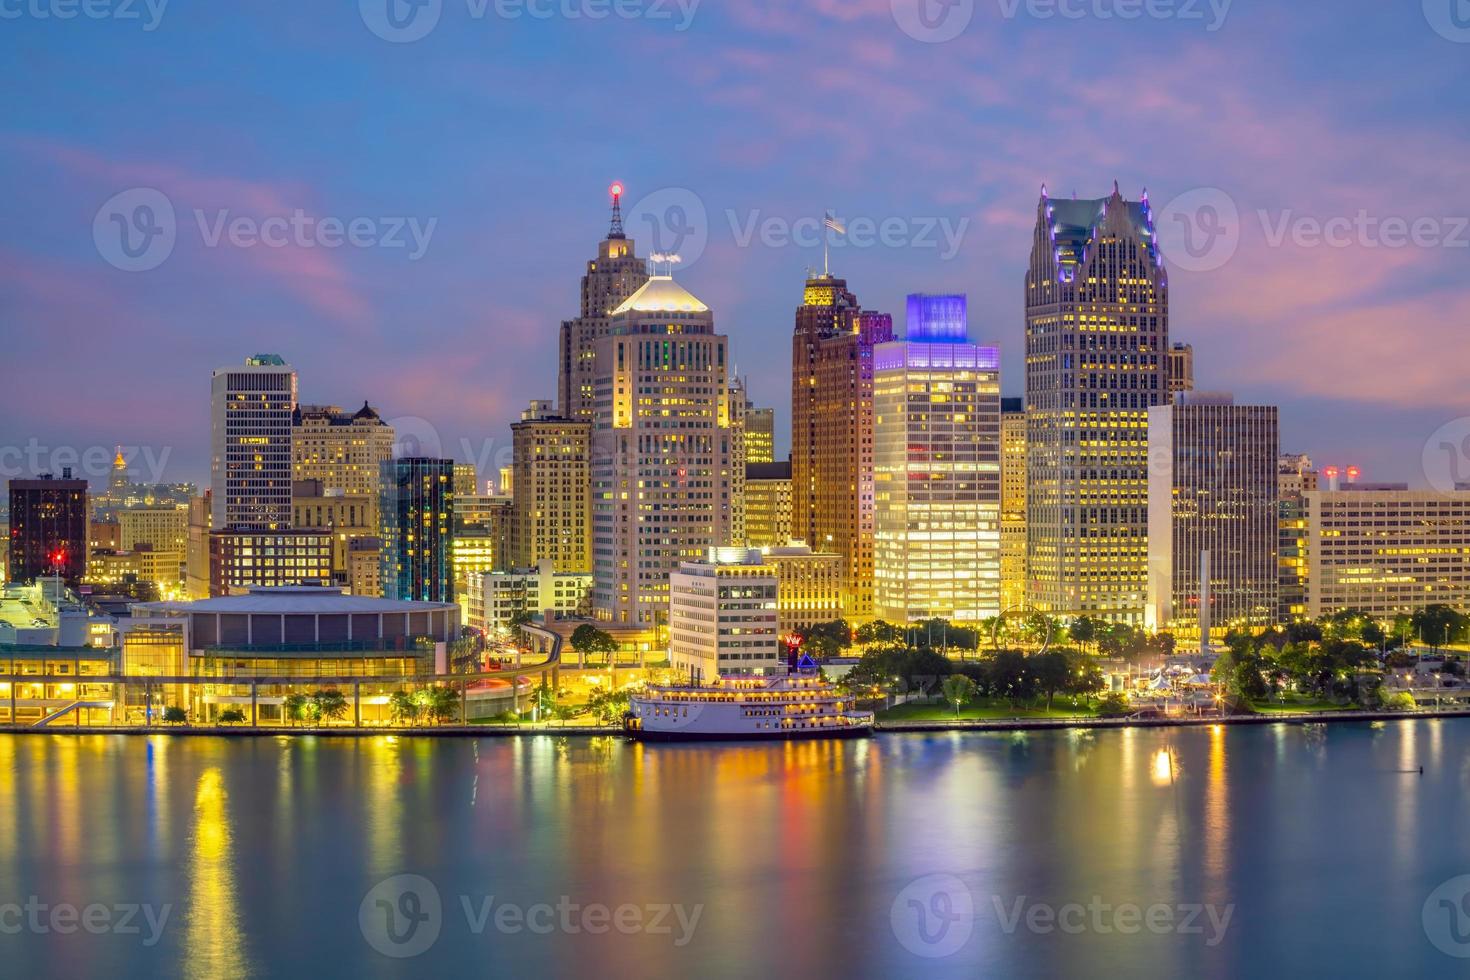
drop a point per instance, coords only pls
(1400, 701)
(1437, 625)
(402, 707)
(1050, 672)
(231, 716)
(298, 707)
(1114, 704)
(438, 703)
(330, 705)
(1083, 630)
(958, 689)
(174, 715)
(607, 705)
(588, 641)
(878, 632)
(826, 640)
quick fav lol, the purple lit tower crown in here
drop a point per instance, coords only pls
(936, 335)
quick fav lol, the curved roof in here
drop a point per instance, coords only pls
(295, 600)
(660, 294)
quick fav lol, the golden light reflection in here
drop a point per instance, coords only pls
(8, 800)
(1162, 769)
(385, 812)
(213, 944)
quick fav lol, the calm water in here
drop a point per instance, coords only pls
(861, 859)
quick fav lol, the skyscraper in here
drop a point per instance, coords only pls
(662, 449)
(768, 504)
(937, 463)
(1012, 502)
(1295, 475)
(832, 431)
(1212, 488)
(1097, 329)
(344, 450)
(48, 528)
(417, 510)
(612, 277)
(251, 408)
(739, 405)
(760, 434)
(551, 515)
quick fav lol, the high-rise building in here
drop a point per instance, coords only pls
(196, 558)
(551, 516)
(164, 530)
(760, 434)
(1180, 367)
(739, 405)
(1295, 475)
(937, 462)
(1012, 502)
(767, 504)
(1387, 551)
(417, 512)
(48, 528)
(1097, 330)
(722, 616)
(610, 279)
(811, 585)
(1212, 490)
(251, 409)
(345, 517)
(344, 450)
(661, 469)
(241, 560)
(832, 431)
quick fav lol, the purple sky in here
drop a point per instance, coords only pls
(496, 136)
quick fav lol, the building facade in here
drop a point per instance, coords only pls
(344, 517)
(1012, 503)
(242, 560)
(251, 412)
(723, 617)
(342, 450)
(496, 599)
(551, 510)
(767, 504)
(1295, 475)
(48, 528)
(760, 435)
(937, 465)
(810, 585)
(1180, 367)
(1097, 334)
(417, 511)
(1213, 490)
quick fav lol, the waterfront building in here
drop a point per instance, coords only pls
(832, 430)
(767, 504)
(611, 278)
(937, 462)
(1213, 490)
(661, 475)
(1012, 503)
(810, 585)
(1097, 331)
(417, 513)
(251, 412)
(48, 528)
(242, 560)
(342, 450)
(52, 651)
(1387, 551)
(760, 434)
(1295, 476)
(723, 616)
(551, 510)
(497, 598)
(1180, 367)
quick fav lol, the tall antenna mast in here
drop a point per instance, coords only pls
(616, 190)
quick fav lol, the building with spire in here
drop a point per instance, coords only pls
(661, 486)
(832, 431)
(610, 279)
(1097, 336)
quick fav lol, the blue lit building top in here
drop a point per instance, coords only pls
(937, 319)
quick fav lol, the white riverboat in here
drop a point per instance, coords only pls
(786, 706)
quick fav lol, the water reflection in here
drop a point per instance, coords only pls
(213, 944)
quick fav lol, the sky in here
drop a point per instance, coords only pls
(400, 200)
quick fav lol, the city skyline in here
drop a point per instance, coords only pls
(464, 335)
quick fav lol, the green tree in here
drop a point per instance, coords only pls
(608, 706)
(1437, 625)
(329, 705)
(590, 641)
(1051, 672)
(402, 707)
(174, 715)
(826, 640)
(1083, 630)
(1114, 704)
(958, 689)
(231, 716)
(439, 703)
(1400, 701)
(298, 707)
(878, 632)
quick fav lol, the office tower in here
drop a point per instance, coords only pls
(1180, 368)
(48, 528)
(240, 560)
(1097, 329)
(767, 504)
(343, 450)
(760, 434)
(1294, 477)
(610, 279)
(739, 405)
(466, 480)
(722, 616)
(937, 460)
(832, 431)
(1012, 503)
(164, 530)
(551, 515)
(1387, 550)
(810, 585)
(1212, 488)
(417, 513)
(661, 472)
(345, 517)
(251, 409)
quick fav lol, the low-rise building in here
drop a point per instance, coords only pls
(723, 615)
(497, 598)
(810, 585)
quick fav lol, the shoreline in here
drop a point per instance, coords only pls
(880, 728)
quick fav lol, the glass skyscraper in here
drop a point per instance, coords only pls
(417, 511)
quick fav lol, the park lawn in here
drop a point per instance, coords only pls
(1297, 703)
(986, 709)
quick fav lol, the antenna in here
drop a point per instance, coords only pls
(616, 190)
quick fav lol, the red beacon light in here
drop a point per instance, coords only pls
(616, 190)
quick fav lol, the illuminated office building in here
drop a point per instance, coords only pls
(417, 512)
(739, 405)
(551, 515)
(722, 616)
(48, 528)
(1012, 502)
(343, 450)
(242, 559)
(1295, 475)
(760, 434)
(251, 410)
(344, 517)
(810, 585)
(937, 466)
(1097, 332)
(832, 431)
(767, 504)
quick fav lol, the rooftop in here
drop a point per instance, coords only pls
(660, 294)
(293, 599)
